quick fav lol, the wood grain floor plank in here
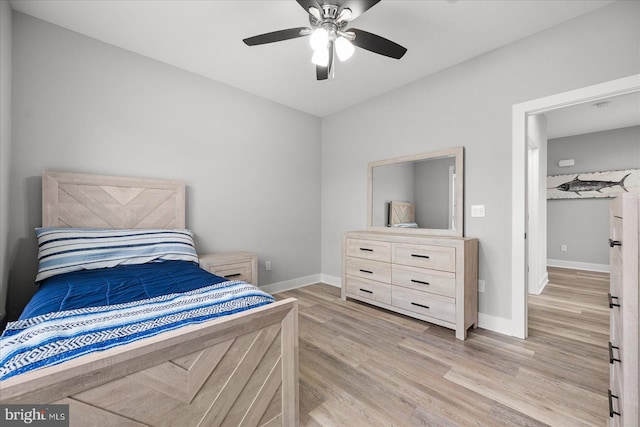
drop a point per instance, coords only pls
(364, 366)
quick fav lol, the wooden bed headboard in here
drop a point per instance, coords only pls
(401, 213)
(100, 201)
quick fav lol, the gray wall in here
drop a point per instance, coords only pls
(583, 224)
(470, 104)
(433, 193)
(252, 167)
(5, 144)
(390, 183)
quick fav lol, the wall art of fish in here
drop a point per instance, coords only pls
(589, 185)
(578, 185)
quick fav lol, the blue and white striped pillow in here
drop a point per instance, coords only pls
(61, 250)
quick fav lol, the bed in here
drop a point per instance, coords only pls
(240, 369)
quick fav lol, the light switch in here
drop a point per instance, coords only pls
(477, 211)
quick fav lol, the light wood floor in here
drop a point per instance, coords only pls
(362, 366)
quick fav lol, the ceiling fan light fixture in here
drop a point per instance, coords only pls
(344, 48)
(315, 13)
(321, 57)
(319, 39)
(345, 15)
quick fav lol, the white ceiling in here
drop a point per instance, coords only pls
(620, 112)
(205, 37)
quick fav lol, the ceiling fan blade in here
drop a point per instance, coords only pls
(322, 73)
(377, 44)
(277, 36)
(358, 7)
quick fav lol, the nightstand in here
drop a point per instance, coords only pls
(232, 265)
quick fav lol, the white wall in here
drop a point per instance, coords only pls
(470, 105)
(5, 144)
(252, 167)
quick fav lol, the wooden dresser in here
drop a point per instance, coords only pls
(427, 277)
(623, 305)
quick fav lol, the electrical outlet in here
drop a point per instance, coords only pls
(477, 211)
(481, 285)
(267, 265)
(563, 248)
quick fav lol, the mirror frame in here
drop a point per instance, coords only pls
(458, 154)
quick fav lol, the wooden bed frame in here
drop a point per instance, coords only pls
(401, 213)
(239, 370)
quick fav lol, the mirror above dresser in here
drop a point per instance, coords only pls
(413, 258)
(418, 194)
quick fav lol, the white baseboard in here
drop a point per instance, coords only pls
(537, 290)
(288, 285)
(331, 280)
(501, 325)
(603, 268)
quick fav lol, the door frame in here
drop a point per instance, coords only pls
(520, 112)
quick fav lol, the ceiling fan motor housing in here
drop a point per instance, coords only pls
(329, 19)
(329, 11)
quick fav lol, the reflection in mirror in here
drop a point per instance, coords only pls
(414, 194)
(420, 193)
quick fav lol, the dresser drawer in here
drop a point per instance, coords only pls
(239, 271)
(616, 387)
(232, 265)
(369, 289)
(373, 270)
(369, 249)
(422, 279)
(616, 228)
(437, 306)
(615, 323)
(435, 257)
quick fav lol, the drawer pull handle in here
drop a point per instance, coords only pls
(228, 276)
(420, 256)
(420, 305)
(420, 281)
(611, 298)
(366, 271)
(611, 411)
(613, 243)
(366, 290)
(611, 358)
(366, 249)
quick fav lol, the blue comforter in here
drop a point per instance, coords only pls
(81, 312)
(117, 285)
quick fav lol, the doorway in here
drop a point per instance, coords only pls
(521, 256)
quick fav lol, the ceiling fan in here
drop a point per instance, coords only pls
(329, 35)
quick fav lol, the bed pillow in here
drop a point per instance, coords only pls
(61, 250)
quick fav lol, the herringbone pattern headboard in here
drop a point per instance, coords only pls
(401, 212)
(98, 201)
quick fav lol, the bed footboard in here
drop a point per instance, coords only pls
(240, 370)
